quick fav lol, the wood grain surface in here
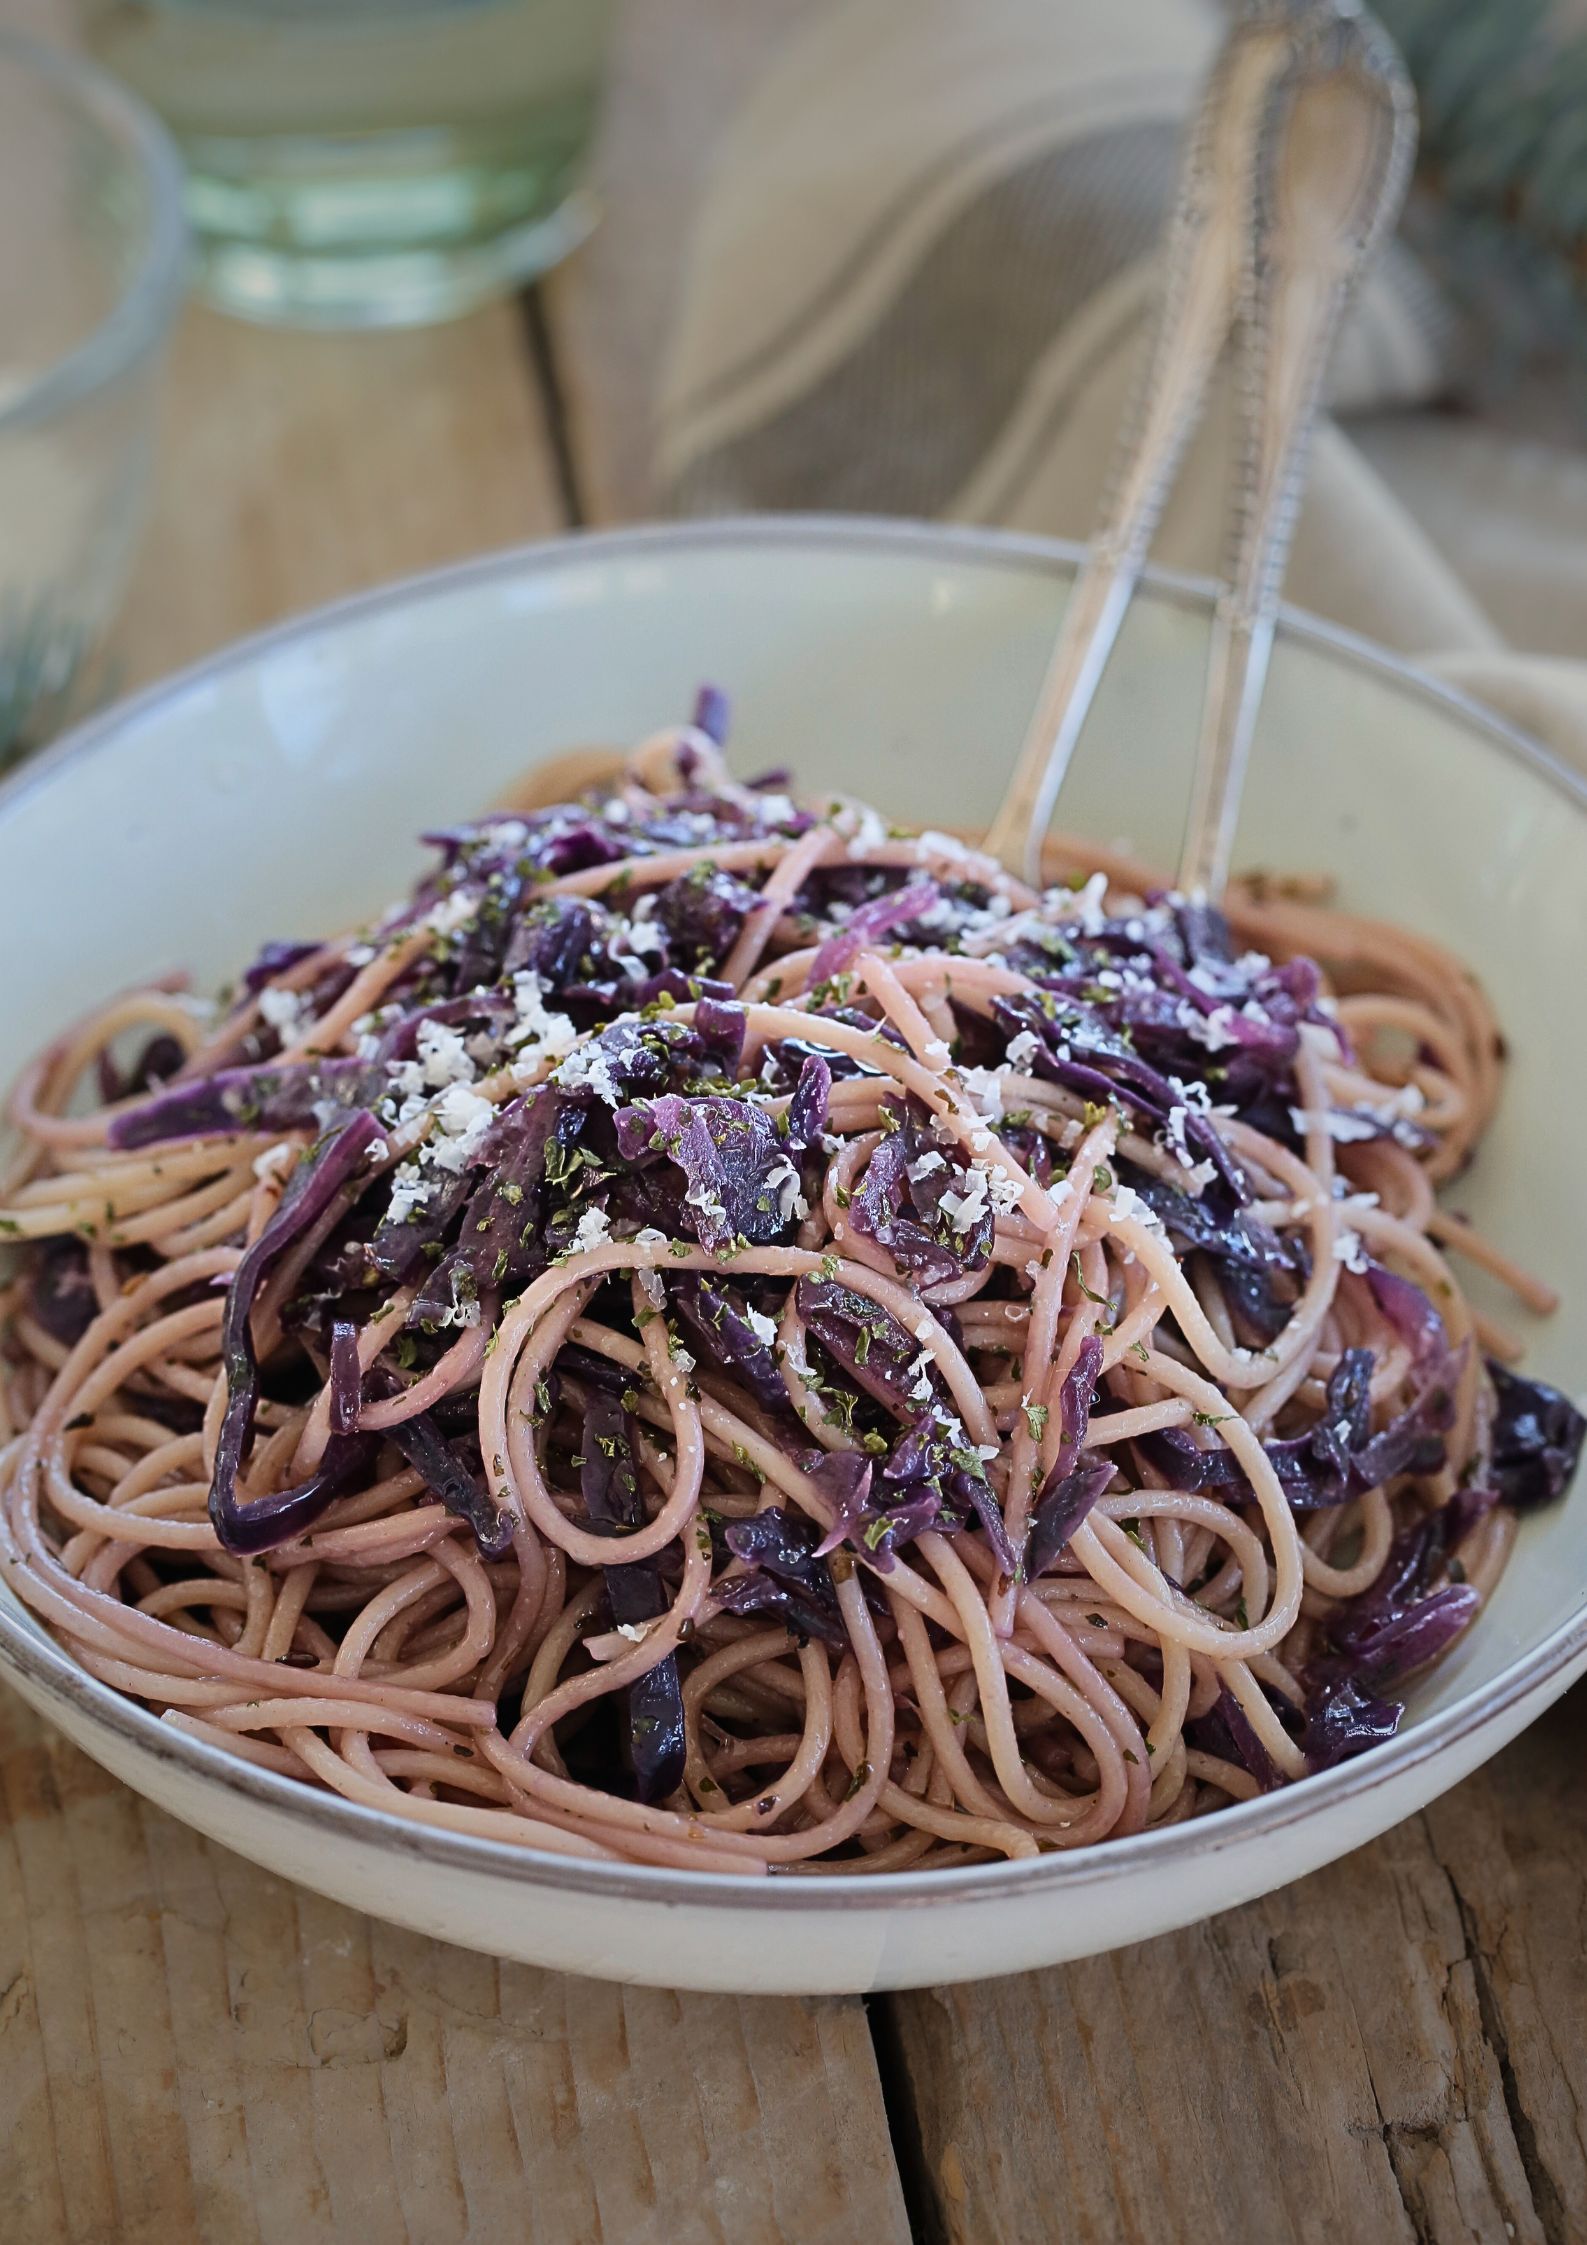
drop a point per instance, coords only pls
(298, 467)
(1393, 2049)
(193, 2052)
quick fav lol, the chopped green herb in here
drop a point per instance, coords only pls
(1079, 1279)
(859, 1781)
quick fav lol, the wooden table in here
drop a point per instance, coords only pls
(190, 2050)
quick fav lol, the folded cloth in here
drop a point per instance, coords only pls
(920, 284)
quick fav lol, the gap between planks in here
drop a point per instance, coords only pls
(1393, 2050)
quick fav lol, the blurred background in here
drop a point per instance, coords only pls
(472, 271)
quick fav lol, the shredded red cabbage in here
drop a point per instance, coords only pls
(311, 1194)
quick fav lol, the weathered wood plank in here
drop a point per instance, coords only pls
(1393, 2049)
(297, 467)
(194, 2053)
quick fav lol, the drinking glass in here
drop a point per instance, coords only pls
(93, 249)
(369, 163)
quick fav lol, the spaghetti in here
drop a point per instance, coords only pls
(728, 1335)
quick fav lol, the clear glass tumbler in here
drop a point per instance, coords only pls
(93, 256)
(369, 163)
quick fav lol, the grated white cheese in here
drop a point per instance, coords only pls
(965, 1210)
(710, 1204)
(594, 1230)
(784, 1181)
(588, 1067)
(536, 1031)
(1210, 1029)
(1087, 905)
(866, 828)
(641, 933)
(1343, 1128)
(453, 912)
(1023, 1049)
(985, 1086)
(281, 1010)
(1127, 1207)
(1003, 1189)
(410, 1189)
(462, 1118)
(763, 1327)
(443, 1056)
(919, 1376)
(946, 845)
(1198, 1174)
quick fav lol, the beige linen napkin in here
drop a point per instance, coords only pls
(919, 284)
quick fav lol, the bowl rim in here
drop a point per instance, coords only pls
(26, 1648)
(147, 299)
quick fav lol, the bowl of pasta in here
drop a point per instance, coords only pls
(618, 1347)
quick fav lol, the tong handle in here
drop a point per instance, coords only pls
(1332, 166)
(1204, 275)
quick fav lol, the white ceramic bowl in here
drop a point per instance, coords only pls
(277, 788)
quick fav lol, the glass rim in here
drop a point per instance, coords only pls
(148, 297)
